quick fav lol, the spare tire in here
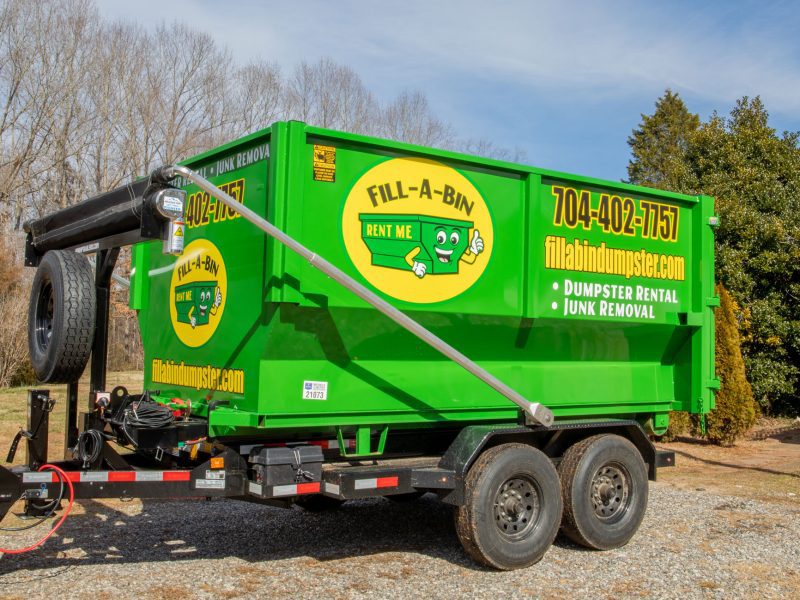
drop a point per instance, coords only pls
(61, 316)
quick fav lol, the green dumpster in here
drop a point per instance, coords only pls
(592, 297)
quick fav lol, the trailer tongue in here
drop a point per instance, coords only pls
(274, 375)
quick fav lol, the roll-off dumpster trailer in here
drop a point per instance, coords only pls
(328, 316)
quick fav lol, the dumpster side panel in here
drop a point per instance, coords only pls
(371, 183)
(201, 313)
(590, 311)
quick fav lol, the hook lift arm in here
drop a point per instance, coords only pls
(535, 413)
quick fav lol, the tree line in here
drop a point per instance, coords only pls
(753, 172)
(87, 104)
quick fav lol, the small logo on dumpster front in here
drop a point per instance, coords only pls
(198, 290)
(417, 230)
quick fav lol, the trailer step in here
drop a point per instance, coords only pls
(403, 476)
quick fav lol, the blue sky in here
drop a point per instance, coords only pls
(564, 81)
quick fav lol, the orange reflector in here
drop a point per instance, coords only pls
(218, 462)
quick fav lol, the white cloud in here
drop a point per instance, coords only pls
(717, 53)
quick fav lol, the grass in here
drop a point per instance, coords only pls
(14, 410)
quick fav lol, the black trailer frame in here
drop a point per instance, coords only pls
(104, 224)
(229, 474)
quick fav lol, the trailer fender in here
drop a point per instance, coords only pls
(553, 441)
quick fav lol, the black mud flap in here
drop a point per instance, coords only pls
(10, 490)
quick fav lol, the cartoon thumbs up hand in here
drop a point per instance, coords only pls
(476, 246)
(218, 298)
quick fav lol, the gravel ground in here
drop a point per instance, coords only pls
(692, 544)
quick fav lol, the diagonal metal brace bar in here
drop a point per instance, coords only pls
(535, 413)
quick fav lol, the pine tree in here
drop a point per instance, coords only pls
(660, 143)
(735, 410)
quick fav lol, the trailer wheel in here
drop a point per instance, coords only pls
(604, 487)
(61, 317)
(512, 507)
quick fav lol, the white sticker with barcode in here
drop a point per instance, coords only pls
(209, 484)
(315, 390)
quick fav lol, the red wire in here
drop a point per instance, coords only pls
(60, 521)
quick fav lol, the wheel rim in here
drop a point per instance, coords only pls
(45, 308)
(611, 492)
(516, 507)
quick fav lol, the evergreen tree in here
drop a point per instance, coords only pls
(660, 143)
(735, 410)
(754, 174)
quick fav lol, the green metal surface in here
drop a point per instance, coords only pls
(594, 298)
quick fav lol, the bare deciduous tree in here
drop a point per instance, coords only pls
(258, 93)
(13, 338)
(331, 95)
(13, 303)
(484, 147)
(87, 104)
(409, 119)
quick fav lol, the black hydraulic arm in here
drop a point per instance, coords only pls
(121, 217)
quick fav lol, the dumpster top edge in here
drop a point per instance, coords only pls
(420, 218)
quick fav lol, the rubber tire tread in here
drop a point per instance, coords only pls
(567, 469)
(465, 518)
(67, 353)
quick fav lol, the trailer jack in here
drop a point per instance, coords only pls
(40, 406)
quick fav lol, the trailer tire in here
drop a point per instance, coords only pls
(605, 490)
(61, 317)
(512, 507)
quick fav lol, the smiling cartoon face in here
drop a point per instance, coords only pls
(204, 294)
(204, 302)
(445, 243)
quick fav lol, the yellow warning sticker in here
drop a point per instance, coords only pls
(179, 232)
(324, 163)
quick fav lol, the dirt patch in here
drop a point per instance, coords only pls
(765, 467)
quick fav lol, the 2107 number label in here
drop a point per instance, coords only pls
(615, 214)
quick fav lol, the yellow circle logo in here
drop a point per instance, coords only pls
(198, 291)
(417, 230)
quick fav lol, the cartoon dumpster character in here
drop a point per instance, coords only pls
(446, 246)
(197, 301)
(422, 244)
